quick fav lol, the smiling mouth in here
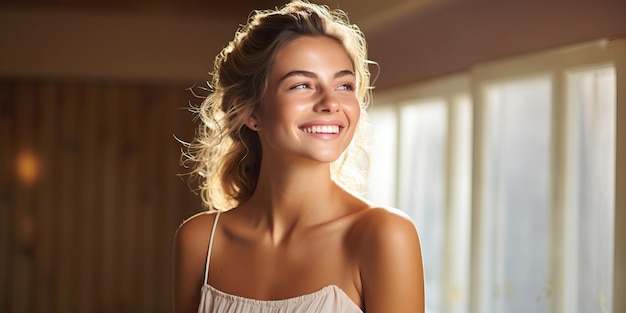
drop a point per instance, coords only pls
(322, 129)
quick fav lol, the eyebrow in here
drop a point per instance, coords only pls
(313, 75)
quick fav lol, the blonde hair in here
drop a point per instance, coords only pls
(225, 156)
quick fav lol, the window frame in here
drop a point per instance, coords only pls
(556, 63)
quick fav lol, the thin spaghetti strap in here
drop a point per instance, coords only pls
(208, 254)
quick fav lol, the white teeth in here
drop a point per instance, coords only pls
(322, 129)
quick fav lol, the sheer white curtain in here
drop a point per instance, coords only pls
(510, 178)
(591, 103)
(516, 193)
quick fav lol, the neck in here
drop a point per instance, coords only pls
(292, 194)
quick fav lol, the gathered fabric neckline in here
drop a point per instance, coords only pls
(279, 302)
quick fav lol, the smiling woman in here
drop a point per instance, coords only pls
(312, 86)
(282, 232)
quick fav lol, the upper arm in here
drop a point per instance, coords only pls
(391, 269)
(189, 256)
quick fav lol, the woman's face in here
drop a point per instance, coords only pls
(310, 109)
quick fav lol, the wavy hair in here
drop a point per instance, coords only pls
(225, 155)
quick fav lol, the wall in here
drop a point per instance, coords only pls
(89, 194)
(110, 45)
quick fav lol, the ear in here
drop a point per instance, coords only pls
(253, 123)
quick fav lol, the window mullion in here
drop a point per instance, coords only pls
(618, 53)
(478, 281)
(560, 220)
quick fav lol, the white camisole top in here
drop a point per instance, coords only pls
(330, 299)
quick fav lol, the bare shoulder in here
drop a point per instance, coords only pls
(189, 256)
(390, 260)
(195, 225)
(191, 241)
(377, 225)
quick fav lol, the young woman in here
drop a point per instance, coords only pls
(282, 233)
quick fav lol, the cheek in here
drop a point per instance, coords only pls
(283, 111)
(272, 118)
(353, 111)
(267, 112)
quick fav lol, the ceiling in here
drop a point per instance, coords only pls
(152, 39)
(207, 7)
(366, 13)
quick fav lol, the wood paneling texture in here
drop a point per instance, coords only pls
(89, 194)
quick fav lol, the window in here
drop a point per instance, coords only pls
(509, 173)
(432, 146)
(590, 189)
(516, 195)
(423, 128)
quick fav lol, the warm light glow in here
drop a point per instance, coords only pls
(28, 167)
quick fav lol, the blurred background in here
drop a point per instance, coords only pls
(93, 93)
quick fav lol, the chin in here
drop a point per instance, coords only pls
(323, 158)
(329, 158)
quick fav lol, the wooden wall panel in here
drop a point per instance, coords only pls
(22, 213)
(93, 231)
(49, 108)
(110, 198)
(5, 202)
(67, 211)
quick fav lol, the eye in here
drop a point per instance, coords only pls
(301, 86)
(348, 87)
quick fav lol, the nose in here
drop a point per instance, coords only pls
(328, 102)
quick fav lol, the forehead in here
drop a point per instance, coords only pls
(314, 54)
